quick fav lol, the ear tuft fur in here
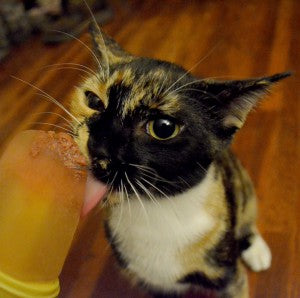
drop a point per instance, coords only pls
(106, 49)
(99, 48)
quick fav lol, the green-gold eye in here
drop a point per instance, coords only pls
(162, 129)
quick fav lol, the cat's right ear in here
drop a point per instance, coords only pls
(106, 50)
(229, 102)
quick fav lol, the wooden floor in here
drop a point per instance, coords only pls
(235, 39)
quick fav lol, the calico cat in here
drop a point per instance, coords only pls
(180, 207)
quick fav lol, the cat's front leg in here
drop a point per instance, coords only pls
(258, 255)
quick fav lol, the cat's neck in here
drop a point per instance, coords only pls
(189, 210)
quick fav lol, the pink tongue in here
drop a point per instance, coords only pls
(94, 193)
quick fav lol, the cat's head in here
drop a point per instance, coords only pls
(152, 126)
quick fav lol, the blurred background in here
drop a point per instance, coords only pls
(232, 39)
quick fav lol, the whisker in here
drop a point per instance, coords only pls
(105, 56)
(127, 197)
(199, 81)
(59, 115)
(147, 171)
(185, 74)
(144, 168)
(55, 125)
(138, 197)
(162, 85)
(51, 98)
(207, 94)
(92, 72)
(69, 67)
(87, 47)
(184, 181)
(159, 190)
(110, 185)
(158, 178)
(202, 168)
(142, 186)
(184, 85)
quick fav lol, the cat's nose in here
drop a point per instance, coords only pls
(98, 151)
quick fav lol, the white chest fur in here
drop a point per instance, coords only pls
(151, 236)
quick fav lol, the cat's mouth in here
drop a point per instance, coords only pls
(94, 193)
(104, 183)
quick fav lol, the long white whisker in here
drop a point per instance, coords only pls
(159, 190)
(157, 178)
(151, 173)
(148, 170)
(184, 85)
(110, 185)
(51, 98)
(198, 81)
(60, 116)
(145, 169)
(148, 193)
(73, 64)
(138, 196)
(69, 67)
(181, 88)
(94, 19)
(56, 102)
(87, 47)
(185, 74)
(162, 85)
(127, 197)
(54, 125)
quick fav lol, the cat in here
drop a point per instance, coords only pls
(181, 209)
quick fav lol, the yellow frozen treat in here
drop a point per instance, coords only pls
(41, 197)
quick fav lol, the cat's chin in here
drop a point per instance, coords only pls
(95, 191)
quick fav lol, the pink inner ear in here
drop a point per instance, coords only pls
(95, 191)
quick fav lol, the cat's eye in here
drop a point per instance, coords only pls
(162, 129)
(93, 101)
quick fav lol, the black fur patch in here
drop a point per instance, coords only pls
(118, 93)
(244, 242)
(154, 292)
(223, 162)
(199, 279)
(225, 253)
(113, 243)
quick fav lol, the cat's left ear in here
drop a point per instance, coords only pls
(231, 101)
(107, 50)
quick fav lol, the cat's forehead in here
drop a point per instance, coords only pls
(147, 83)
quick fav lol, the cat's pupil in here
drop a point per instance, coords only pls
(163, 128)
(93, 101)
